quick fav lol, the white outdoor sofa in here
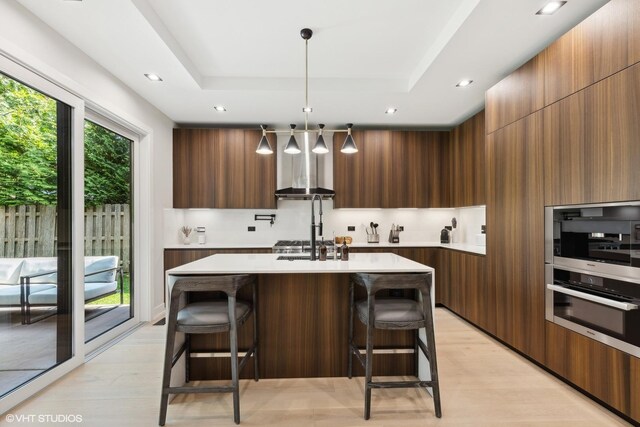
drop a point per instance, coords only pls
(28, 282)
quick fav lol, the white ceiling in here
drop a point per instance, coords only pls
(364, 56)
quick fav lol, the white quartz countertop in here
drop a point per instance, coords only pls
(268, 264)
(466, 247)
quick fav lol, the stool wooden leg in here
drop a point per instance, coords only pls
(233, 334)
(369, 361)
(350, 348)
(256, 374)
(433, 364)
(168, 359)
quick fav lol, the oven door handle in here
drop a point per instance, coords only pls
(600, 300)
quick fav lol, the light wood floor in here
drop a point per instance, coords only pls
(482, 384)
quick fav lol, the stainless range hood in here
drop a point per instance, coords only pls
(302, 171)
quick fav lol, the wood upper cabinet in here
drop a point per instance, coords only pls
(392, 169)
(634, 34)
(515, 233)
(517, 95)
(596, 48)
(466, 162)
(591, 144)
(219, 168)
(598, 369)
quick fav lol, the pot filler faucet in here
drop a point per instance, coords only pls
(314, 226)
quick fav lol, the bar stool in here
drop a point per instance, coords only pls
(394, 313)
(208, 317)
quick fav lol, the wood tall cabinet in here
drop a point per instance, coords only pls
(466, 162)
(591, 144)
(392, 169)
(515, 233)
(219, 168)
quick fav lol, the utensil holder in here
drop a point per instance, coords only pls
(373, 238)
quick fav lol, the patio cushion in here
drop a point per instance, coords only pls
(40, 265)
(10, 295)
(91, 290)
(98, 263)
(10, 270)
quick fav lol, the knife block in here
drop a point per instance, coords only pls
(394, 236)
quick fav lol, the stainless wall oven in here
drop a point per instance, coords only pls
(592, 271)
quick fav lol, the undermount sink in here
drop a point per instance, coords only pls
(293, 258)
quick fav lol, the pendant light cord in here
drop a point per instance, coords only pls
(306, 84)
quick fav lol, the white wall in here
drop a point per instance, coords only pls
(31, 42)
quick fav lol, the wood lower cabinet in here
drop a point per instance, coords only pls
(219, 168)
(591, 143)
(634, 381)
(392, 169)
(466, 162)
(596, 368)
(515, 233)
(517, 95)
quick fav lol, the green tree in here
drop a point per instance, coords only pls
(28, 152)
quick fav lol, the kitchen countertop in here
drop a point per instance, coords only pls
(267, 264)
(465, 247)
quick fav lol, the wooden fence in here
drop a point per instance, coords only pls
(30, 231)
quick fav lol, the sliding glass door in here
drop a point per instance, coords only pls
(36, 233)
(108, 225)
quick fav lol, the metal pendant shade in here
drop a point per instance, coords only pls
(292, 146)
(320, 146)
(349, 145)
(264, 147)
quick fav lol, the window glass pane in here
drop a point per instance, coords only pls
(35, 233)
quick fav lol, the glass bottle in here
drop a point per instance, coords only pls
(322, 250)
(345, 251)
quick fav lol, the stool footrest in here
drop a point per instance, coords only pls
(356, 351)
(244, 359)
(219, 389)
(401, 384)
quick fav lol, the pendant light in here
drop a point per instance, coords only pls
(264, 147)
(320, 146)
(349, 146)
(292, 146)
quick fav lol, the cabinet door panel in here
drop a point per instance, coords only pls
(634, 32)
(194, 181)
(348, 173)
(634, 399)
(596, 368)
(466, 154)
(515, 233)
(260, 174)
(517, 95)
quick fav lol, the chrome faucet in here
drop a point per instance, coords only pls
(314, 226)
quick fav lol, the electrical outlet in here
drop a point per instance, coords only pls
(401, 227)
(351, 228)
(251, 228)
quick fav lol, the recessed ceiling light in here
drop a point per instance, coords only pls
(463, 83)
(391, 110)
(219, 108)
(551, 8)
(154, 77)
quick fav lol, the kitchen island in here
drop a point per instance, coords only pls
(303, 313)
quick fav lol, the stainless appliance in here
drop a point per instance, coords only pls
(301, 247)
(592, 271)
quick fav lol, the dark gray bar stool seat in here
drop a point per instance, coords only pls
(394, 313)
(207, 317)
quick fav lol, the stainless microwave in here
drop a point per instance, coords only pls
(603, 238)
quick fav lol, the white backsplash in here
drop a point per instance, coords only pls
(293, 219)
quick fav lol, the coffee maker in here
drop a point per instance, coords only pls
(445, 234)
